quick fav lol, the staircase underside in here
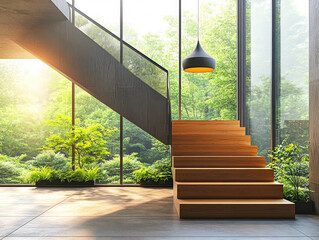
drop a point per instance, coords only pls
(41, 29)
(217, 174)
(18, 16)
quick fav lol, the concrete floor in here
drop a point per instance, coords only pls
(126, 213)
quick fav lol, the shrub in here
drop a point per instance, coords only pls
(92, 174)
(159, 172)
(111, 168)
(51, 159)
(290, 194)
(11, 170)
(49, 174)
(43, 174)
(291, 165)
(77, 175)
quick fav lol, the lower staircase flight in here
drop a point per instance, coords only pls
(217, 174)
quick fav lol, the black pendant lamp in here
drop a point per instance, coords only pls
(199, 61)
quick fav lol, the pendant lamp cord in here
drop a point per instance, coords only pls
(198, 20)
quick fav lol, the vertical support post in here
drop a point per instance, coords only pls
(180, 60)
(121, 117)
(241, 62)
(275, 74)
(73, 95)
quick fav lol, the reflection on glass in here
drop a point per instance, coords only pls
(105, 40)
(105, 12)
(149, 73)
(294, 87)
(259, 73)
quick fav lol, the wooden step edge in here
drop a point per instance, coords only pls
(218, 158)
(235, 201)
(234, 169)
(206, 121)
(234, 209)
(231, 183)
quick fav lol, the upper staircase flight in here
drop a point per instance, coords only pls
(42, 29)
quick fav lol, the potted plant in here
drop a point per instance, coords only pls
(291, 165)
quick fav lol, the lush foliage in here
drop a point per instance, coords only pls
(11, 169)
(291, 165)
(51, 159)
(159, 172)
(89, 142)
(111, 169)
(49, 174)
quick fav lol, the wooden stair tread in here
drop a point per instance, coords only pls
(218, 157)
(234, 201)
(203, 122)
(225, 132)
(228, 183)
(223, 174)
(227, 169)
(216, 150)
(183, 139)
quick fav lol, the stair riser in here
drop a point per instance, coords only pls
(205, 129)
(211, 133)
(205, 123)
(219, 164)
(224, 175)
(206, 140)
(237, 211)
(213, 150)
(229, 192)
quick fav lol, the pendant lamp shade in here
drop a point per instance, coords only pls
(199, 61)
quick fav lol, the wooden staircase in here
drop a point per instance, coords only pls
(217, 174)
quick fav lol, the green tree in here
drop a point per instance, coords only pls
(89, 142)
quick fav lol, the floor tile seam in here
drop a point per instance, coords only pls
(16, 229)
(301, 231)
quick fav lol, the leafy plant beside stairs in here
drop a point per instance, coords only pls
(51, 175)
(291, 166)
(159, 173)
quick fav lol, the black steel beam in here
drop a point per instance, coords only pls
(180, 60)
(275, 74)
(241, 62)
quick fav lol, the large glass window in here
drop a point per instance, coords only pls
(258, 67)
(32, 95)
(211, 95)
(294, 85)
(92, 114)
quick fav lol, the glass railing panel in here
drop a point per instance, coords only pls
(148, 72)
(103, 38)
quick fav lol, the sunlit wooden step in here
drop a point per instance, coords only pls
(218, 161)
(214, 150)
(229, 190)
(235, 208)
(206, 122)
(223, 174)
(205, 139)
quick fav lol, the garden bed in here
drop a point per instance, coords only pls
(57, 183)
(302, 207)
(160, 183)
